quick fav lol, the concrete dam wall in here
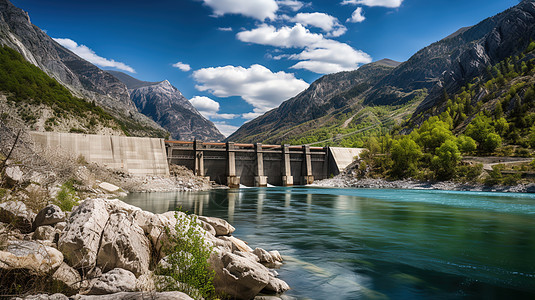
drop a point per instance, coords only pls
(139, 156)
(229, 164)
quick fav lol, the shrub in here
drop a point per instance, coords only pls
(187, 268)
(66, 198)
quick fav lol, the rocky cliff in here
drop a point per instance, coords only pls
(82, 78)
(166, 105)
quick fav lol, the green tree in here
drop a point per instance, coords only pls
(433, 133)
(491, 142)
(466, 144)
(446, 160)
(405, 154)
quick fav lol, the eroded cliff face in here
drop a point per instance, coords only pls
(82, 78)
(166, 105)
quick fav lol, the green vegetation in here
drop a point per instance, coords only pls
(186, 268)
(28, 85)
(493, 115)
(67, 198)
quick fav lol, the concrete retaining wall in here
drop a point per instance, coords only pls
(139, 156)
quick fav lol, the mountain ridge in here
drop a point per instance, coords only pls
(82, 78)
(419, 83)
(166, 105)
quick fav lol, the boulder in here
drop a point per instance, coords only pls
(46, 233)
(108, 187)
(276, 255)
(124, 245)
(237, 244)
(33, 257)
(61, 226)
(81, 238)
(114, 281)
(13, 175)
(221, 226)
(136, 296)
(17, 214)
(67, 278)
(238, 277)
(263, 256)
(276, 286)
(50, 215)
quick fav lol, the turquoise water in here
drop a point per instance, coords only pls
(380, 244)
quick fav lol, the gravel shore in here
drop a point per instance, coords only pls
(346, 181)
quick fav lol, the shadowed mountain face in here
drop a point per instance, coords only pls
(442, 67)
(324, 96)
(166, 105)
(82, 78)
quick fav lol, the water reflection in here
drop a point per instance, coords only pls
(360, 244)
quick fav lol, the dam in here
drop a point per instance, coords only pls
(228, 163)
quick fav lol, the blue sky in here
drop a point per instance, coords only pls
(236, 59)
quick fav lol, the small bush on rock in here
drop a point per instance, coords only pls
(66, 198)
(185, 267)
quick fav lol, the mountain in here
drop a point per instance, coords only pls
(166, 105)
(82, 78)
(408, 90)
(324, 97)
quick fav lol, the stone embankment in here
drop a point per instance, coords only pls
(348, 181)
(110, 249)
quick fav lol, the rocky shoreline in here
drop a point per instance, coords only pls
(108, 248)
(347, 181)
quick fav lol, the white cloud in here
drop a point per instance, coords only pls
(258, 9)
(383, 3)
(257, 85)
(210, 108)
(327, 23)
(251, 115)
(224, 28)
(225, 128)
(292, 4)
(320, 55)
(182, 66)
(356, 16)
(86, 53)
(285, 37)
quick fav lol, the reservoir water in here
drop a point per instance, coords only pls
(380, 244)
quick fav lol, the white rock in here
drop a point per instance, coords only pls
(108, 187)
(124, 245)
(114, 281)
(276, 255)
(34, 257)
(13, 175)
(17, 214)
(45, 233)
(68, 278)
(237, 244)
(221, 226)
(263, 256)
(237, 276)
(80, 240)
(277, 286)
